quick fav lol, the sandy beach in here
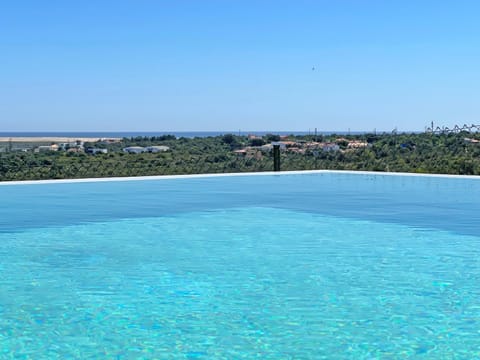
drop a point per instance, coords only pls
(39, 139)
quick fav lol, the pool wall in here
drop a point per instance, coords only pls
(265, 173)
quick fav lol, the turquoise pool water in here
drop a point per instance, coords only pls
(306, 266)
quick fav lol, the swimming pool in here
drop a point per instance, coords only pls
(314, 265)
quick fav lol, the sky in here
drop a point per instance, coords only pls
(211, 65)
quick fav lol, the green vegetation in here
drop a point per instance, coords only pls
(419, 153)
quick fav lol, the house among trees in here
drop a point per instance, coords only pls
(330, 147)
(249, 153)
(150, 149)
(44, 148)
(93, 151)
(78, 144)
(156, 149)
(357, 144)
(134, 150)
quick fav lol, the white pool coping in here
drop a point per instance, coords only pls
(265, 173)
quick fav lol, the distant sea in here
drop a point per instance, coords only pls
(178, 134)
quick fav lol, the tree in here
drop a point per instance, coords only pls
(228, 139)
(257, 142)
(272, 137)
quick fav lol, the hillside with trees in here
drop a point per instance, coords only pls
(454, 153)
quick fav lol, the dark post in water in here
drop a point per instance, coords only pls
(276, 157)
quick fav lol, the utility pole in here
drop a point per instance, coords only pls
(276, 157)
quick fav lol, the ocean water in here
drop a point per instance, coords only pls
(313, 266)
(187, 134)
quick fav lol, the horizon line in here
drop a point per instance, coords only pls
(205, 131)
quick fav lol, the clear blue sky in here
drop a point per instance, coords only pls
(153, 65)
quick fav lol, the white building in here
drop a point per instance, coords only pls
(156, 149)
(44, 148)
(134, 150)
(330, 147)
(78, 144)
(94, 151)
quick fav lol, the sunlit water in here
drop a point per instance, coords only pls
(281, 271)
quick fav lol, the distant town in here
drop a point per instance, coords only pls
(259, 148)
(76, 146)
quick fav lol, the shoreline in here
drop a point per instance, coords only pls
(55, 139)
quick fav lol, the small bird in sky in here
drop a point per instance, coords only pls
(313, 68)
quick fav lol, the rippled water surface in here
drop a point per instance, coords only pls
(268, 267)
